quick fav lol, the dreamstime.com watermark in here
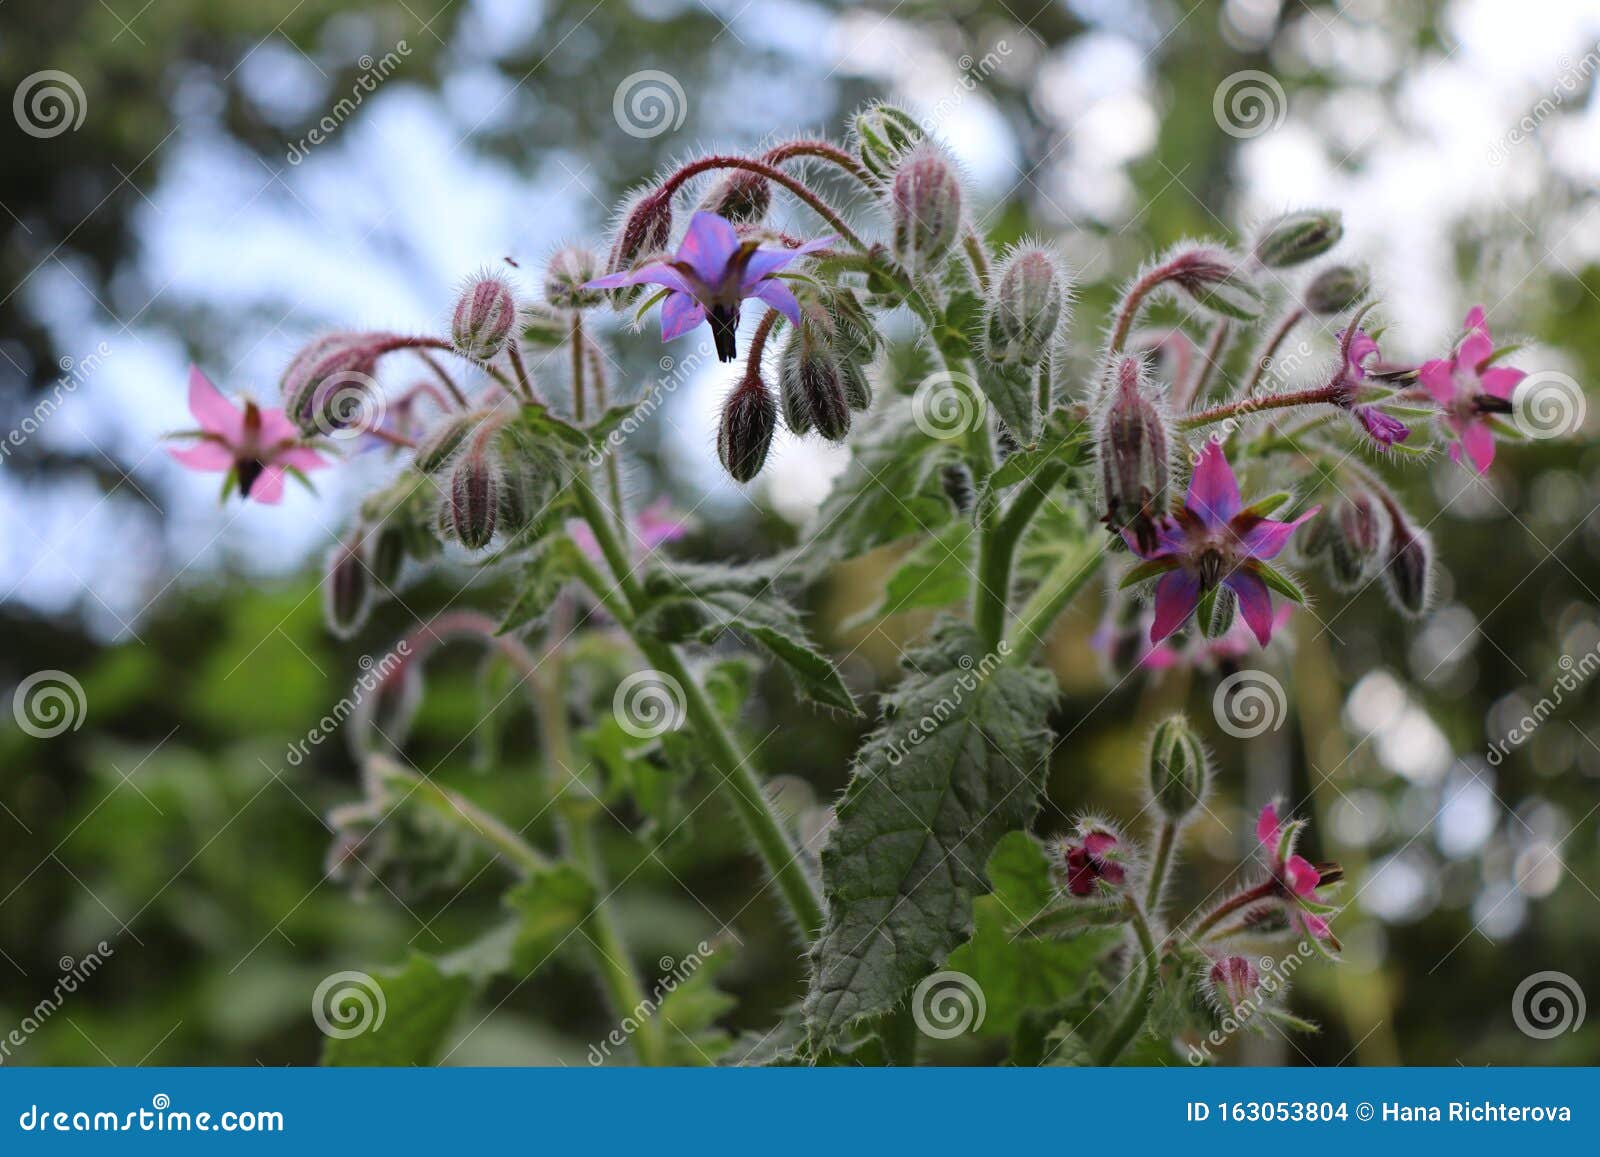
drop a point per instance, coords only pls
(969, 680)
(373, 73)
(373, 674)
(1275, 977)
(676, 972)
(74, 372)
(1571, 81)
(160, 1117)
(74, 974)
(674, 371)
(1577, 674)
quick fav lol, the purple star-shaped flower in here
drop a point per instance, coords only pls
(1213, 541)
(1469, 391)
(710, 275)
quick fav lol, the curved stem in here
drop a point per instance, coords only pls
(1263, 359)
(1159, 865)
(1316, 395)
(822, 150)
(444, 376)
(1229, 906)
(998, 549)
(1209, 360)
(465, 814)
(774, 174)
(1138, 1007)
(524, 380)
(1060, 587)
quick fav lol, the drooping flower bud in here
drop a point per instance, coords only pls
(1178, 771)
(812, 389)
(1024, 309)
(926, 209)
(1337, 289)
(1407, 572)
(749, 417)
(569, 269)
(854, 336)
(884, 136)
(1296, 237)
(1133, 456)
(646, 228)
(345, 587)
(446, 437)
(741, 197)
(956, 481)
(473, 503)
(484, 314)
(1234, 981)
(1356, 534)
(857, 386)
(1215, 280)
(324, 385)
(1218, 608)
(388, 544)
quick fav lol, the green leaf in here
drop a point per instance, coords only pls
(1146, 570)
(1279, 581)
(957, 761)
(702, 602)
(548, 568)
(1264, 507)
(690, 1010)
(1014, 970)
(412, 1010)
(1064, 438)
(1012, 393)
(890, 491)
(936, 573)
(548, 907)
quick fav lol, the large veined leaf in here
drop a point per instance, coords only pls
(935, 573)
(957, 762)
(702, 602)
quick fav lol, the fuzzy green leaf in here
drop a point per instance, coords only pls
(957, 762)
(936, 573)
(409, 1017)
(545, 570)
(1012, 393)
(1279, 581)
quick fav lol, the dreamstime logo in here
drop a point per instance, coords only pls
(649, 103)
(1572, 80)
(348, 404)
(347, 1004)
(1548, 404)
(1249, 703)
(74, 974)
(648, 704)
(948, 1004)
(74, 372)
(1548, 1004)
(373, 73)
(674, 372)
(947, 404)
(962, 683)
(1249, 103)
(675, 973)
(49, 103)
(1275, 976)
(48, 703)
(1576, 672)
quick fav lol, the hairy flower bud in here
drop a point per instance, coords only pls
(1234, 981)
(473, 503)
(1297, 237)
(1133, 457)
(646, 229)
(926, 202)
(1024, 309)
(884, 135)
(565, 275)
(345, 587)
(436, 447)
(1214, 279)
(855, 338)
(388, 544)
(1093, 861)
(484, 314)
(749, 417)
(1178, 770)
(956, 481)
(1407, 572)
(324, 384)
(1356, 526)
(1337, 289)
(812, 389)
(857, 387)
(741, 197)
(1218, 608)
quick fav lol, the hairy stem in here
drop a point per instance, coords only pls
(1263, 358)
(1209, 359)
(1138, 1007)
(1065, 580)
(774, 174)
(1165, 841)
(465, 814)
(1316, 395)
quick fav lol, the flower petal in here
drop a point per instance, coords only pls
(301, 458)
(1475, 350)
(268, 486)
(1501, 381)
(652, 273)
(1476, 320)
(1213, 490)
(1268, 537)
(765, 262)
(214, 412)
(1255, 602)
(778, 295)
(680, 314)
(1316, 925)
(1438, 377)
(1177, 595)
(1478, 442)
(1267, 827)
(1301, 876)
(1362, 347)
(203, 455)
(708, 246)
